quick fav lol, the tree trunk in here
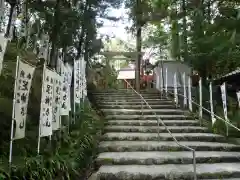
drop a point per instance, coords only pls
(54, 37)
(139, 57)
(10, 20)
(175, 36)
(185, 43)
(138, 44)
(83, 30)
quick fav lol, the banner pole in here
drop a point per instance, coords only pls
(13, 114)
(39, 128)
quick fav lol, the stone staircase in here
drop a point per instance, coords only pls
(132, 150)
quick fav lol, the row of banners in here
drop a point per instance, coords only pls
(56, 87)
(56, 90)
(187, 97)
(55, 100)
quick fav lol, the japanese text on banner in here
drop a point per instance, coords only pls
(65, 94)
(57, 89)
(77, 81)
(69, 76)
(23, 84)
(46, 113)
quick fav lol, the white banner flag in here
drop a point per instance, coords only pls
(76, 81)
(21, 94)
(3, 45)
(81, 86)
(211, 104)
(224, 100)
(65, 89)
(85, 86)
(166, 80)
(57, 89)
(184, 90)
(46, 111)
(238, 98)
(84, 80)
(69, 76)
(81, 77)
(161, 80)
(190, 93)
(157, 81)
(175, 88)
(156, 75)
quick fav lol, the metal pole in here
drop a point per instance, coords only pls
(13, 114)
(194, 165)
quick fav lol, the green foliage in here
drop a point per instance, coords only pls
(208, 41)
(68, 157)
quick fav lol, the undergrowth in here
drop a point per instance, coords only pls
(67, 156)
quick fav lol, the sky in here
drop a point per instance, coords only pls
(116, 29)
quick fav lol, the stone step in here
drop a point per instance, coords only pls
(123, 146)
(124, 92)
(130, 96)
(123, 136)
(168, 172)
(121, 96)
(147, 117)
(165, 157)
(154, 129)
(132, 100)
(153, 122)
(138, 106)
(222, 179)
(143, 111)
(135, 103)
